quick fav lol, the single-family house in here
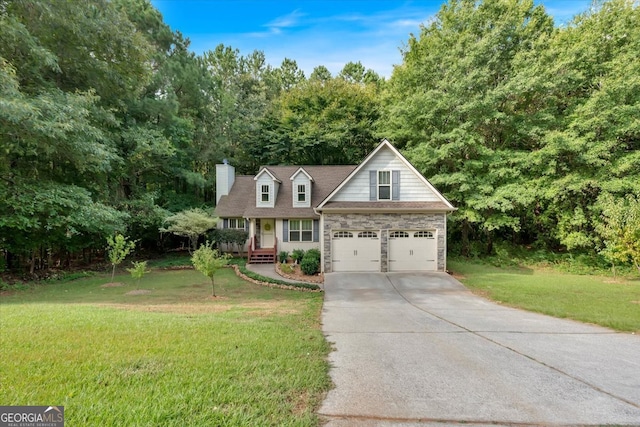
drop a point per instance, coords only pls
(380, 215)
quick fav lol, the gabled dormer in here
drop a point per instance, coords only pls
(301, 188)
(267, 186)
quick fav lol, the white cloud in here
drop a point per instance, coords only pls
(287, 21)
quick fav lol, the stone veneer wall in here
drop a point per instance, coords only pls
(384, 223)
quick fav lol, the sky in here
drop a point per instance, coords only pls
(312, 32)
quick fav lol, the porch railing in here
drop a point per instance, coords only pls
(251, 249)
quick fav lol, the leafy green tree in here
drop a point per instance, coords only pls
(448, 107)
(118, 248)
(191, 223)
(581, 95)
(208, 261)
(65, 71)
(288, 75)
(320, 73)
(320, 122)
(620, 229)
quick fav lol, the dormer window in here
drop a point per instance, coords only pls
(384, 185)
(302, 193)
(301, 189)
(264, 193)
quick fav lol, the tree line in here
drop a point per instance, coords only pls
(109, 123)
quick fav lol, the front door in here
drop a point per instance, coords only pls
(267, 233)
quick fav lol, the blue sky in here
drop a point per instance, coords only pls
(312, 32)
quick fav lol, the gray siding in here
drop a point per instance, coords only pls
(383, 223)
(265, 179)
(301, 179)
(412, 188)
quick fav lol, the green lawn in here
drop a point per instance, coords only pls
(592, 299)
(172, 357)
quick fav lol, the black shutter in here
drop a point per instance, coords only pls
(285, 230)
(316, 230)
(373, 185)
(395, 185)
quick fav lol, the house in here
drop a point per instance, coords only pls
(381, 215)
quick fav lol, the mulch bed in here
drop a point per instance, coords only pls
(299, 276)
(113, 285)
(138, 292)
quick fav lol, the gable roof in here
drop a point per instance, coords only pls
(442, 204)
(263, 170)
(301, 170)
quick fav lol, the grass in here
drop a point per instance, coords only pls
(172, 357)
(588, 298)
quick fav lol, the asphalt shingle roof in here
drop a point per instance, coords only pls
(241, 201)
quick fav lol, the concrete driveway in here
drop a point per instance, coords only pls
(419, 349)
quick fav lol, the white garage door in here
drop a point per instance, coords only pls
(413, 250)
(355, 250)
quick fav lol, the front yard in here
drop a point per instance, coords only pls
(614, 303)
(170, 357)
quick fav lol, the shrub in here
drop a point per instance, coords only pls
(138, 271)
(297, 255)
(313, 253)
(242, 267)
(310, 264)
(231, 237)
(282, 256)
(286, 268)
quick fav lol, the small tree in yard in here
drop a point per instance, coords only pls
(138, 271)
(620, 229)
(207, 261)
(191, 223)
(118, 248)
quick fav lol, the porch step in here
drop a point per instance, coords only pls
(262, 256)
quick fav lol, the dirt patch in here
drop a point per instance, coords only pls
(302, 403)
(635, 302)
(113, 285)
(170, 308)
(258, 308)
(216, 298)
(268, 308)
(138, 292)
(457, 276)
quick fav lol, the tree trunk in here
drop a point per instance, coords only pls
(465, 238)
(489, 243)
(32, 268)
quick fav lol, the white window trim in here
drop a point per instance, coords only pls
(303, 193)
(236, 221)
(379, 185)
(262, 193)
(300, 230)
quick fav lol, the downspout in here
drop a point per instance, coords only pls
(321, 238)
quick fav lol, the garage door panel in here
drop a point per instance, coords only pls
(413, 250)
(355, 251)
